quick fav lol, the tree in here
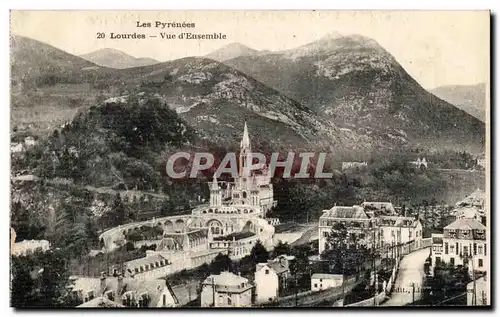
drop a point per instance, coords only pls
(281, 248)
(40, 280)
(221, 263)
(118, 210)
(259, 253)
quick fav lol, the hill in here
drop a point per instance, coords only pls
(470, 98)
(36, 64)
(216, 100)
(113, 58)
(231, 51)
(356, 83)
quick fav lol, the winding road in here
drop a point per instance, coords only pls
(411, 272)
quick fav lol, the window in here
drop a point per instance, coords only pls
(475, 248)
(315, 285)
(466, 250)
(480, 262)
(452, 261)
(485, 249)
(438, 260)
(229, 301)
(164, 300)
(321, 280)
(480, 249)
(452, 249)
(446, 248)
(267, 271)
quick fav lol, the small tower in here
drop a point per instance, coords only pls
(215, 193)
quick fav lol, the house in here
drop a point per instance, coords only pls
(354, 218)
(353, 165)
(271, 278)
(321, 281)
(463, 242)
(395, 230)
(27, 247)
(126, 291)
(478, 292)
(226, 290)
(419, 163)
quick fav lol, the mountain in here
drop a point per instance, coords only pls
(216, 100)
(231, 51)
(36, 64)
(112, 58)
(355, 83)
(470, 98)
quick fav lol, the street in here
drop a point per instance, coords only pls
(411, 270)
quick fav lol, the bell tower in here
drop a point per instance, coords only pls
(245, 150)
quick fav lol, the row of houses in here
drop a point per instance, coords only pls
(464, 243)
(374, 224)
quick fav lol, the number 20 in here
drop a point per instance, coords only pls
(100, 35)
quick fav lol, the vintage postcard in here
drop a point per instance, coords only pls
(170, 159)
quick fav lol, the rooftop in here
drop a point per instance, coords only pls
(353, 212)
(466, 224)
(326, 276)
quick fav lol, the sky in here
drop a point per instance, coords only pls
(437, 48)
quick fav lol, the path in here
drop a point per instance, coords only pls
(411, 270)
(306, 236)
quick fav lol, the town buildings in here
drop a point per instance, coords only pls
(125, 291)
(374, 224)
(321, 281)
(463, 242)
(271, 278)
(226, 290)
(353, 166)
(26, 247)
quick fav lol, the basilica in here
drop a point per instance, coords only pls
(231, 223)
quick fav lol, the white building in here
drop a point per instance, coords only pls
(395, 230)
(321, 281)
(419, 163)
(355, 219)
(27, 247)
(226, 290)
(271, 278)
(462, 243)
(353, 165)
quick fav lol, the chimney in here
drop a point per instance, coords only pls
(103, 283)
(120, 284)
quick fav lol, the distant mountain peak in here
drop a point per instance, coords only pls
(230, 51)
(114, 58)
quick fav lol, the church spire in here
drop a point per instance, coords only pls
(245, 141)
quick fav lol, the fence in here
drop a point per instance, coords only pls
(407, 248)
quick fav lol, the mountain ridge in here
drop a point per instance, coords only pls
(113, 58)
(355, 82)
